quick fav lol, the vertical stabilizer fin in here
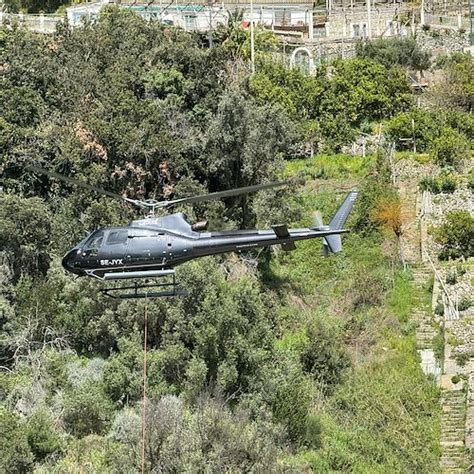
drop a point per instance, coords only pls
(332, 243)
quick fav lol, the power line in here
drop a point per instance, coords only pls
(145, 324)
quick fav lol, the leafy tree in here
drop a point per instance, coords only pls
(123, 372)
(417, 126)
(389, 51)
(87, 410)
(340, 98)
(236, 39)
(42, 435)
(34, 6)
(456, 235)
(25, 227)
(16, 456)
(451, 148)
(236, 153)
(455, 87)
(323, 357)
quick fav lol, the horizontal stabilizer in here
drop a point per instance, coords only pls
(281, 231)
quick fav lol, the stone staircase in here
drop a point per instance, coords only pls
(457, 429)
(453, 419)
(426, 325)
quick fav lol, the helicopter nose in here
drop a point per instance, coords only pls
(68, 261)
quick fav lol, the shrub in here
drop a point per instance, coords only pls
(291, 404)
(463, 357)
(464, 303)
(429, 183)
(460, 270)
(439, 308)
(87, 410)
(456, 234)
(470, 181)
(323, 357)
(312, 437)
(389, 213)
(419, 125)
(42, 435)
(443, 183)
(391, 51)
(15, 454)
(448, 184)
(451, 277)
(455, 379)
(450, 148)
(438, 345)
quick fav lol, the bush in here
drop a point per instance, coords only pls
(460, 270)
(450, 148)
(464, 303)
(447, 183)
(463, 357)
(42, 435)
(15, 454)
(291, 405)
(389, 52)
(416, 124)
(87, 410)
(324, 357)
(451, 277)
(456, 234)
(312, 437)
(439, 308)
(470, 180)
(429, 183)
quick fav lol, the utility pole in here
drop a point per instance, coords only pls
(471, 34)
(209, 6)
(252, 40)
(369, 22)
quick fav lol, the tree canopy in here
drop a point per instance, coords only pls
(259, 366)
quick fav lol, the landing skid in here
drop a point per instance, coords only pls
(144, 290)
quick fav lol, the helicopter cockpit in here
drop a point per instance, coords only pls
(93, 244)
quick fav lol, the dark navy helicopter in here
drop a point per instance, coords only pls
(151, 247)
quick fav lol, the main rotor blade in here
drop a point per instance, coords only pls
(38, 169)
(223, 194)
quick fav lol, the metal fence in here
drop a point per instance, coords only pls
(39, 23)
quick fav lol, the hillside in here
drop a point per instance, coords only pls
(273, 361)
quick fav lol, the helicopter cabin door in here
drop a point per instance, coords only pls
(146, 247)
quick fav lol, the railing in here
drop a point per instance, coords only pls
(39, 23)
(444, 21)
(451, 311)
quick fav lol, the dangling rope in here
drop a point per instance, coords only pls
(145, 323)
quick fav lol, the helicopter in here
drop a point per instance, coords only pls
(151, 247)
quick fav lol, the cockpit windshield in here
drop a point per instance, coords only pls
(94, 243)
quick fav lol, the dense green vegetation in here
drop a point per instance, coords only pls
(273, 361)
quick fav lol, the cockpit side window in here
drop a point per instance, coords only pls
(117, 237)
(93, 245)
